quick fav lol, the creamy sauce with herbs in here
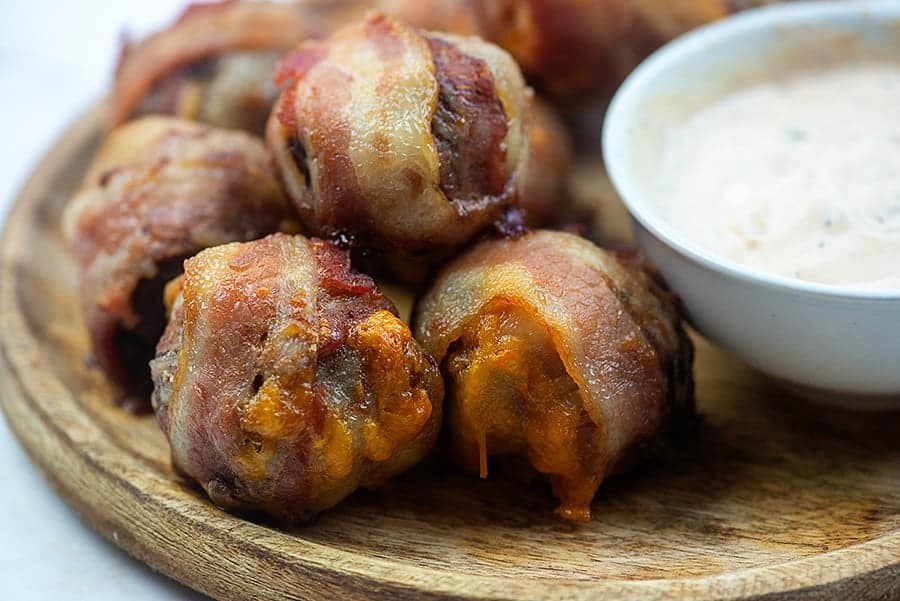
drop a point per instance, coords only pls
(799, 178)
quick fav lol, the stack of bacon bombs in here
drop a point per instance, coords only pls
(285, 379)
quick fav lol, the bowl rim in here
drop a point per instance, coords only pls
(621, 108)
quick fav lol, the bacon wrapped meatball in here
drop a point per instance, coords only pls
(159, 190)
(398, 139)
(284, 380)
(569, 49)
(559, 352)
(214, 64)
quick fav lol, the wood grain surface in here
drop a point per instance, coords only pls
(776, 499)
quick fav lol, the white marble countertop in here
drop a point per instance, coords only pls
(56, 57)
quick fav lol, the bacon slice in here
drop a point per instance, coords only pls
(159, 190)
(558, 351)
(285, 381)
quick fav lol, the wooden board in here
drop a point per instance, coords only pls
(776, 499)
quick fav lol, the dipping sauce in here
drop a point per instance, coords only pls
(798, 178)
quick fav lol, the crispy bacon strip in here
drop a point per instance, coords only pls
(398, 139)
(214, 64)
(285, 381)
(159, 190)
(558, 351)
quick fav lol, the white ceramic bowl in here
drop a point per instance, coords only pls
(840, 343)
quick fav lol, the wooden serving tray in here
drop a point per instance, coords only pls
(776, 499)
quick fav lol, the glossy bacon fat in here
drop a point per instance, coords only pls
(285, 381)
(559, 352)
(159, 190)
(214, 64)
(400, 139)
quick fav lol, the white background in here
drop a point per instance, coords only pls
(56, 59)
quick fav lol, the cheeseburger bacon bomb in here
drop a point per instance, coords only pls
(400, 140)
(214, 64)
(159, 190)
(284, 380)
(559, 352)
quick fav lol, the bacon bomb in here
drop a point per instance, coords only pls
(284, 380)
(400, 140)
(214, 64)
(159, 190)
(559, 352)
